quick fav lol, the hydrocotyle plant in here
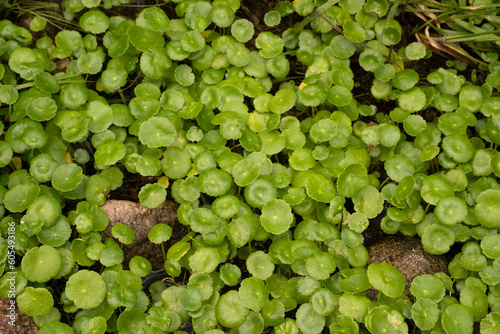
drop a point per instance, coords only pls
(280, 141)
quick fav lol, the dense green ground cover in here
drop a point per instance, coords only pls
(281, 137)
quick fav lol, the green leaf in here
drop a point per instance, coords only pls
(437, 239)
(176, 162)
(152, 195)
(203, 220)
(154, 18)
(354, 32)
(260, 265)
(451, 210)
(345, 324)
(320, 265)
(339, 96)
(415, 51)
(242, 30)
(323, 302)
(35, 301)
(157, 132)
(452, 123)
(352, 180)
(47, 83)
(46, 207)
(67, 177)
(491, 106)
(144, 39)
(245, 172)
(405, 79)
(204, 260)
(132, 320)
(323, 130)
(226, 206)
(124, 233)
(357, 222)
(490, 244)
(230, 310)
(412, 100)
(398, 166)
(96, 325)
(405, 188)
(159, 233)
(435, 187)
(273, 313)
(140, 266)
(192, 41)
(230, 274)
(491, 323)
(458, 147)
(282, 101)
(214, 182)
(86, 289)
(371, 60)
(269, 44)
(114, 78)
(8, 94)
(42, 109)
(57, 234)
(428, 287)
(154, 63)
(222, 15)
(308, 321)
(384, 319)
(369, 201)
(94, 21)
(276, 217)
(253, 293)
(110, 153)
(386, 278)
(487, 209)
(20, 197)
(320, 188)
(456, 319)
(425, 313)
(272, 18)
(190, 300)
(311, 95)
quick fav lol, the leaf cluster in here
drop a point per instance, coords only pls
(276, 178)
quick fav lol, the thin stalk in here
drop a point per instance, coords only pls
(383, 183)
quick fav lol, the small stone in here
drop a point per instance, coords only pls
(408, 256)
(141, 220)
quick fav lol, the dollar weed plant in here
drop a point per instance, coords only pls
(281, 138)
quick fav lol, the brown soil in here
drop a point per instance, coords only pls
(16, 322)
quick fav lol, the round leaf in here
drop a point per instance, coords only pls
(451, 210)
(204, 260)
(67, 177)
(456, 319)
(159, 233)
(20, 197)
(94, 21)
(260, 265)
(230, 310)
(487, 209)
(86, 289)
(123, 233)
(387, 279)
(35, 301)
(276, 217)
(157, 132)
